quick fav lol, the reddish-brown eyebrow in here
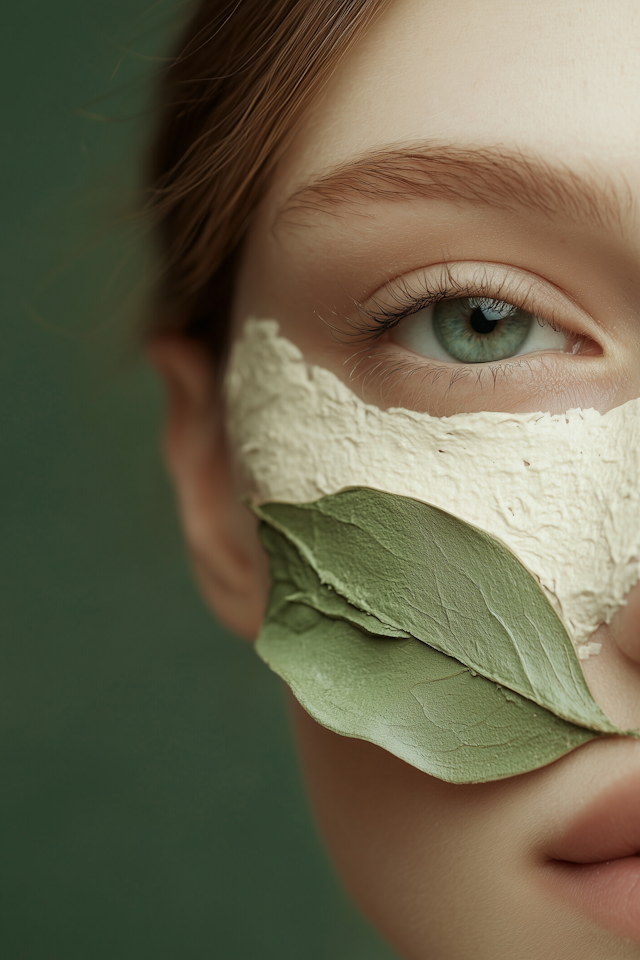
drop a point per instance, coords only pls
(495, 177)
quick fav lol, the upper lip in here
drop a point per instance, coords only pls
(606, 828)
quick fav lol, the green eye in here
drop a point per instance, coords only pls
(479, 329)
(476, 330)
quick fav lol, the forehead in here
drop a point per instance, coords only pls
(558, 79)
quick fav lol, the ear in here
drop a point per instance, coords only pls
(229, 562)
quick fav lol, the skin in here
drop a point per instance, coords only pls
(444, 871)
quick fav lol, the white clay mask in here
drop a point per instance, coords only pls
(560, 493)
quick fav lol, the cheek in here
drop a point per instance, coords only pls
(423, 859)
(441, 870)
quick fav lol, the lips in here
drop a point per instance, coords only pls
(595, 864)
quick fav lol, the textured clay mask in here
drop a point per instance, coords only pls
(556, 491)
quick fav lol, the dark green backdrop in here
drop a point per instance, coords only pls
(150, 801)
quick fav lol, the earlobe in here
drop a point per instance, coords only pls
(221, 534)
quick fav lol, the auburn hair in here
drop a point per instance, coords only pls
(229, 102)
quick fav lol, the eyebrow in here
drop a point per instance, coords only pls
(489, 176)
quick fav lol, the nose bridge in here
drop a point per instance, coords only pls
(625, 626)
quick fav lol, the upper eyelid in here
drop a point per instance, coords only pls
(559, 308)
(421, 299)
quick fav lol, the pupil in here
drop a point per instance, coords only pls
(480, 324)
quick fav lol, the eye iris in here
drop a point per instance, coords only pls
(480, 330)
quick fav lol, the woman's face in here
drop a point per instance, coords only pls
(488, 149)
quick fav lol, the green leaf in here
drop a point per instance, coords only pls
(420, 572)
(419, 704)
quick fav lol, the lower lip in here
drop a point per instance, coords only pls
(608, 893)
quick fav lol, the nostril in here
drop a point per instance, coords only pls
(625, 626)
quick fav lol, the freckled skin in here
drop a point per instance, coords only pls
(445, 872)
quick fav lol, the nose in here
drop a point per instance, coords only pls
(625, 626)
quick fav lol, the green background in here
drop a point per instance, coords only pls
(150, 801)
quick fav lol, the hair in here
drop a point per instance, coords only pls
(229, 103)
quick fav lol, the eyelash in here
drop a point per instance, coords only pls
(374, 322)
